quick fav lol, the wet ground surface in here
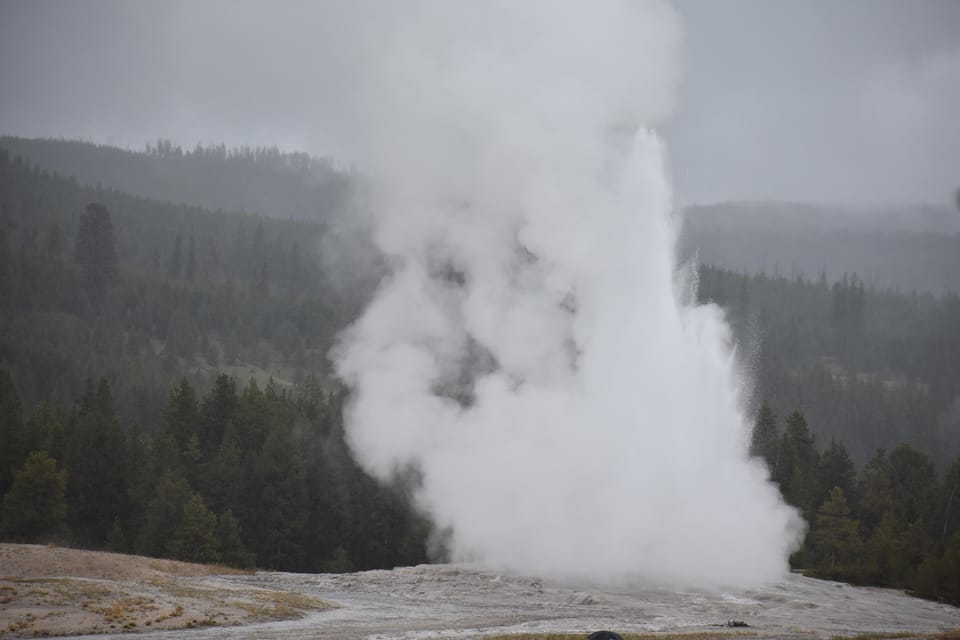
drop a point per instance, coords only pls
(446, 601)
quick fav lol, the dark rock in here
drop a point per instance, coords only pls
(604, 635)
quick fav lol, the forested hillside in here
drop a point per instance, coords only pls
(164, 377)
(873, 368)
(261, 180)
(900, 249)
(174, 290)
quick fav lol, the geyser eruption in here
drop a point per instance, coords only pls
(570, 410)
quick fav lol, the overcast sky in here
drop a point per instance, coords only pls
(834, 101)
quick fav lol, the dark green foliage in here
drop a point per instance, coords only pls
(96, 251)
(125, 319)
(163, 514)
(836, 543)
(765, 442)
(97, 462)
(339, 562)
(281, 476)
(34, 509)
(116, 538)
(233, 553)
(836, 470)
(797, 468)
(195, 538)
(868, 367)
(898, 532)
(13, 436)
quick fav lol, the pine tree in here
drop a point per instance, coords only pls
(174, 268)
(191, 261)
(96, 251)
(163, 514)
(836, 470)
(218, 409)
(796, 473)
(836, 537)
(35, 506)
(233, 552)
(13, 436)
(765, 442)
(194, 539)
(97, 462)
(181, 417)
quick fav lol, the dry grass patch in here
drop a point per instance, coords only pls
(279, 605)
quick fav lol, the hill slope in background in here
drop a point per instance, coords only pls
(196, 296)
(263, 181)
(274, 293)
(905, 249)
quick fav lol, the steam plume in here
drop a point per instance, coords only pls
(569, 409)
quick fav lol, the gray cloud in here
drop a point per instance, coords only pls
(850, 102)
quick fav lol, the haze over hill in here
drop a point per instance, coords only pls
(903, 248)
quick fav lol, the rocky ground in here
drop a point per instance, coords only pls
(53, 591)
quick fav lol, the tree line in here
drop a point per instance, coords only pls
(261, 180)
(96, 282)
(895, 522)
(872, 368)
(241, 476)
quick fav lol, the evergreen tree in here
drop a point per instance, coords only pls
(875, 493)
(233, 552)
(45, 430)
(163, 514)
(116, 539)
(195, 539)
(174, 268)
(97, 463)
(885, 562)
(765, 442)
(13, 436)
(35, 508)
(276, 504)
(950, 501)
(836, 470)
(836, 538)
(913, 483)
(191, 261)
(96, 251)
(54, 243)
(218, 409)
(181, 417)
(799, 460)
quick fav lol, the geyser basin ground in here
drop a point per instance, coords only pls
(450, 601)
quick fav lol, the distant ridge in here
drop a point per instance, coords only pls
(907, 248)
(259, 180)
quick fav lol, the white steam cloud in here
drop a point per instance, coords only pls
(571, 412)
